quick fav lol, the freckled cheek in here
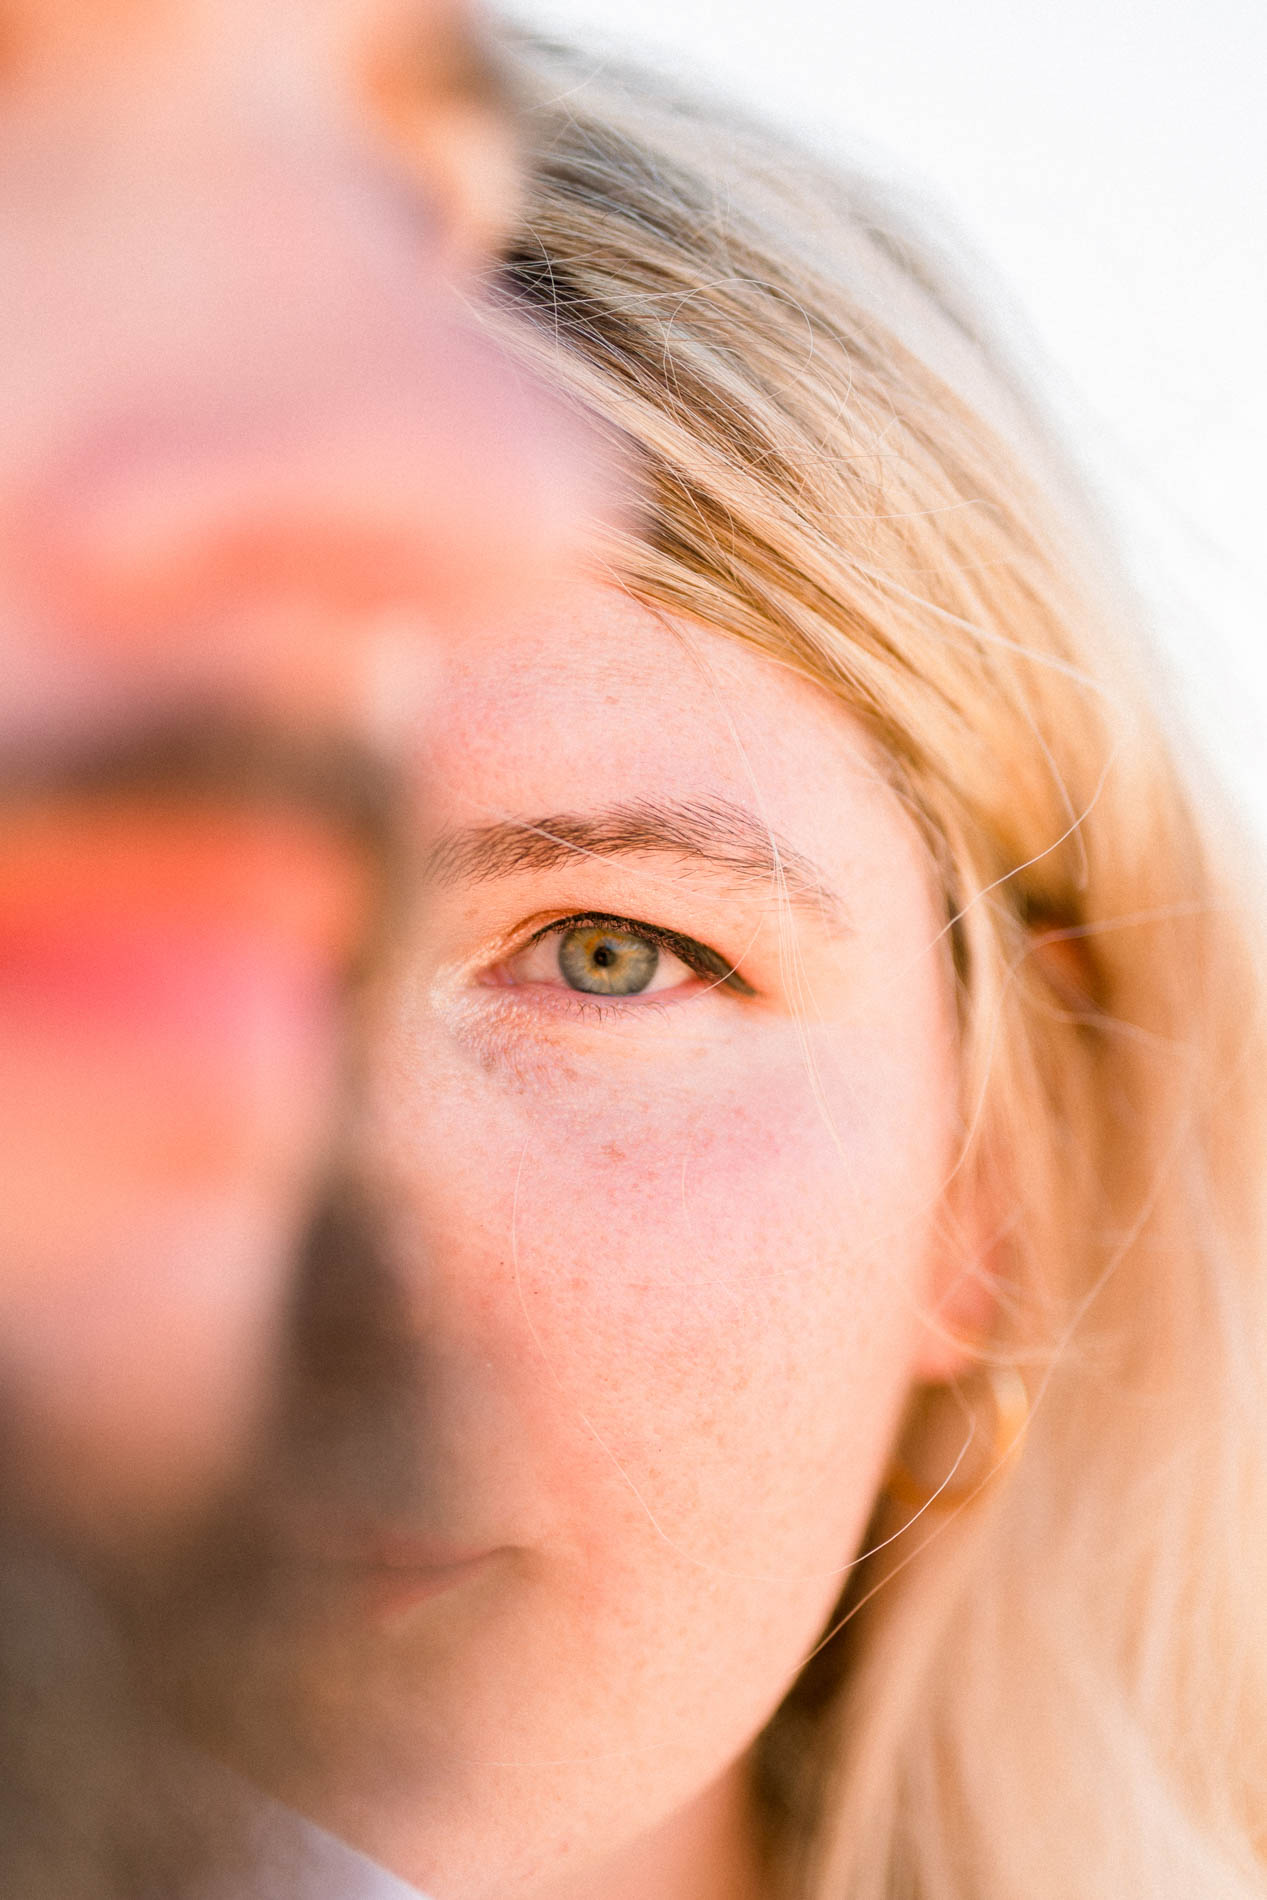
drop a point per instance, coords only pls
(717, 1285)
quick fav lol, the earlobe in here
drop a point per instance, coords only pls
(966, 1412)
(958, 1317)
(960, 1453)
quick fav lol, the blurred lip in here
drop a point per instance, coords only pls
(387, 1573)
(165, 880)
(164, 914)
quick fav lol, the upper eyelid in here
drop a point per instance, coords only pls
(698, 957)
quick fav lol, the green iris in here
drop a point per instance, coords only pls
(606, 962)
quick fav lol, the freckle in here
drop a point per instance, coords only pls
(612, 1151)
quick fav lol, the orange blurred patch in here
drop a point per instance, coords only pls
(67, 862)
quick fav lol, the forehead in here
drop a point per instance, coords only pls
(596, 655)
(595, 697)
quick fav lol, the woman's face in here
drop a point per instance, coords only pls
(640, 1256)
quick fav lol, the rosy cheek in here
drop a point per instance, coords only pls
(704, 1292)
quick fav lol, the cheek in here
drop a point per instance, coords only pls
(702, 1285)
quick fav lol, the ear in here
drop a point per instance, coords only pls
(969, 1265)
(965, 1272)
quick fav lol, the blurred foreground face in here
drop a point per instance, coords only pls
(253, 457)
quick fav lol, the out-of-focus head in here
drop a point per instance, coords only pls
(257, 456)
(820, 997)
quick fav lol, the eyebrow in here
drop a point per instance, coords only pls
(715, 833)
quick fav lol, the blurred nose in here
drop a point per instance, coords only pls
(249, 422)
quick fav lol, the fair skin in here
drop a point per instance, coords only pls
(653, 1276)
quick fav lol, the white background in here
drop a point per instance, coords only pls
(1108, 158)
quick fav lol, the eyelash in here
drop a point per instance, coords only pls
(698, 958)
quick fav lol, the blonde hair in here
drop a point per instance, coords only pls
(1059, 1690)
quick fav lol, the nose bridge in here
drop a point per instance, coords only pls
(204, 290)
(230, 369)
(270, 313)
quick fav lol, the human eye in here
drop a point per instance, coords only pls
(616, 957)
